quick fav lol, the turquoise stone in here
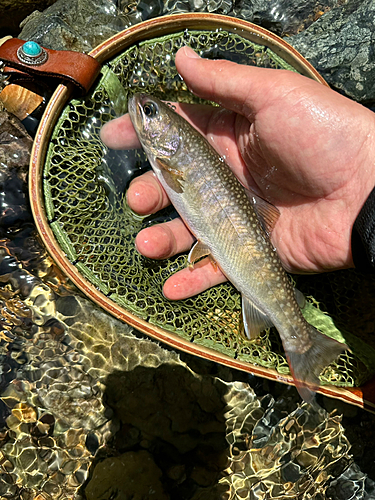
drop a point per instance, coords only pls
(31, 49)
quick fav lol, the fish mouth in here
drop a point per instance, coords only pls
(135, 110)
(135, 104)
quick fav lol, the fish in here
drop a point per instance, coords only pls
(232, 226)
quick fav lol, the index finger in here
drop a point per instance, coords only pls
(120, 134)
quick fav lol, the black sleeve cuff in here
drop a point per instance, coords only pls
(363, 236)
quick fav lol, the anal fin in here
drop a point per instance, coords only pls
(254, 320)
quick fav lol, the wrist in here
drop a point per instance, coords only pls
(363, 229)
(363, 236)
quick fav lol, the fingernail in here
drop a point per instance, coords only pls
(188, 52)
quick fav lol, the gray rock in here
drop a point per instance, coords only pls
(15, 146)
(13, 11)
(285, 16)
(75, 24)
(282, 17)
(340, 46)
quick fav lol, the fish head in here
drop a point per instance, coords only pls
(156, 125)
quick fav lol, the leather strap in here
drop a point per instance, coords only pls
(75, 67)
(363, 236)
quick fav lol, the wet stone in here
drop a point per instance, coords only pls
(12, 12)
(283, 17)
(15, 146)
(194, 426)
(92, 442)
(177, 6)
(150, 8)
(203, 476)
(278, 463)
(75, 25)
(220, 6)
(340, 46)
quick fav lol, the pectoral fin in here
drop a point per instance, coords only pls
(198, 250)
(173, 177)
(267, 213)
(254, 320)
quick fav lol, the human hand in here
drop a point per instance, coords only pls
(303, 147)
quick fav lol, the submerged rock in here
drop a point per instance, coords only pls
(352, 484)
(81, 384)
(132, 475)
(147, 8)
(280, 454)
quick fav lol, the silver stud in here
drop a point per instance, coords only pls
(32, 53)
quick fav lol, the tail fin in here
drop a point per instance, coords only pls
(307, 367)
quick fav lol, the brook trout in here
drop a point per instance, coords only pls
(231, 226)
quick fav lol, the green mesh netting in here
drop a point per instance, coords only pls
(84, 189)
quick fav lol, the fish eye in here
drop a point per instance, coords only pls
(150, 109)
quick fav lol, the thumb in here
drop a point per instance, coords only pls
(240, 88)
